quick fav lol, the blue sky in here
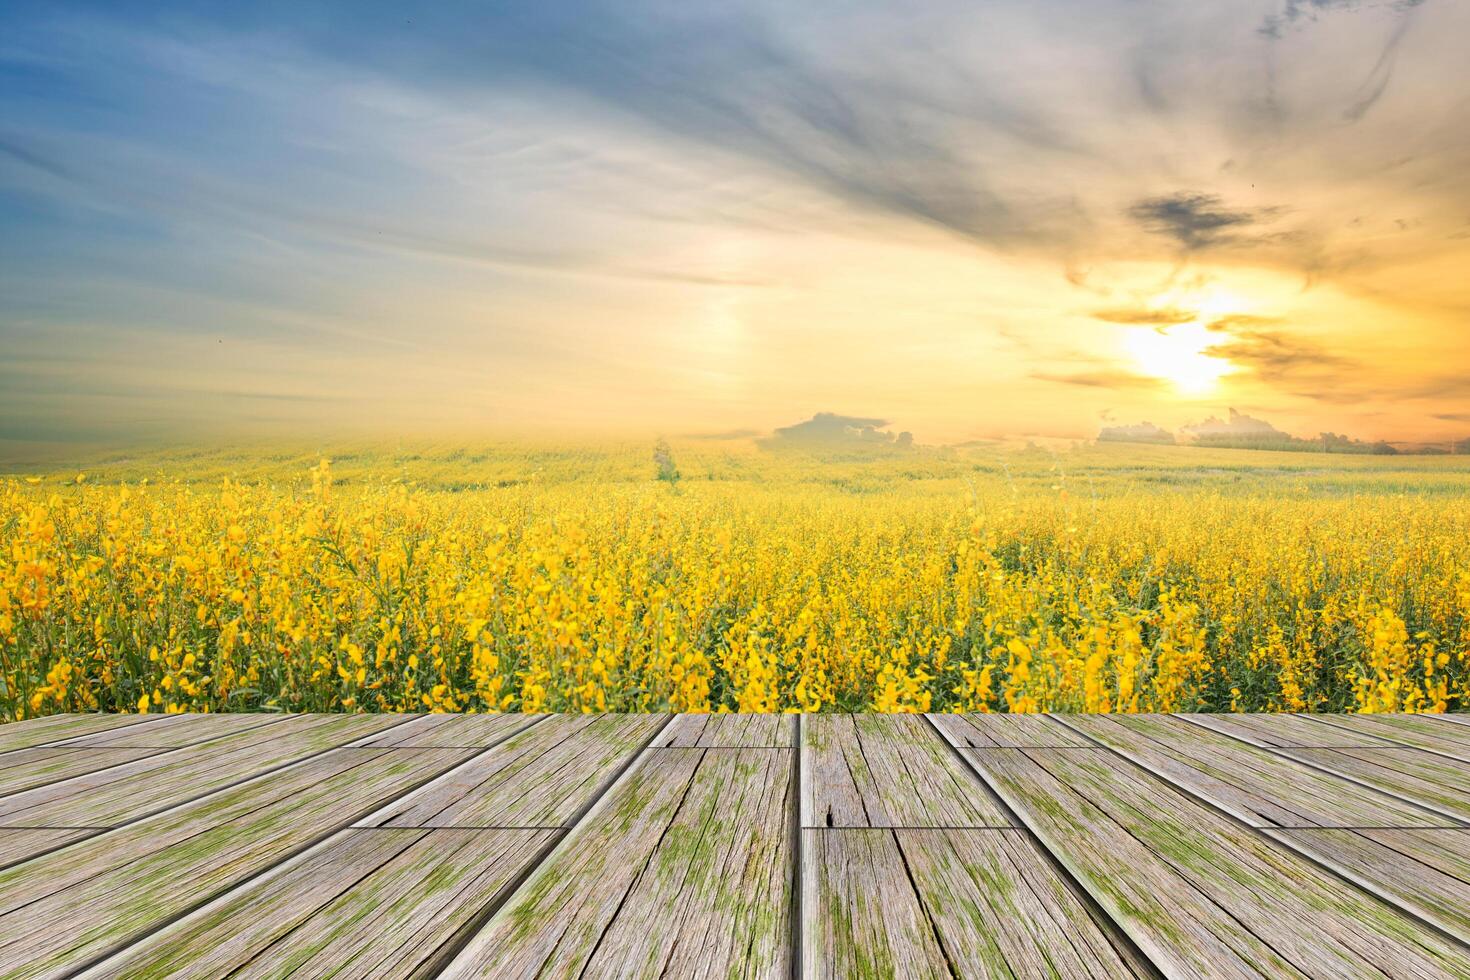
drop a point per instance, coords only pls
(1015, 217)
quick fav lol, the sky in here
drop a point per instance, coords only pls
(973, 220)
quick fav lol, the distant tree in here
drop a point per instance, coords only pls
(663, 457)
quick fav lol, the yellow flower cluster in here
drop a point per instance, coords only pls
(773, 584)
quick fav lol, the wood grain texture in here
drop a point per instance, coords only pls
(683, 870)
(1199, 893)
(91, 898)
(982, 731)
(1261, 787)
(25, 769)
(1434, 781)
(56, 728)
(176, 731)
(943, 903)
(1176, 924)
(538, 778)
(887, 771)
(364, 904)
(17, 844)
(860, 914)
(1287, 730)
(1425, 872)
(1427, 732)
(451, 731)
(733, 731)
(113, 796)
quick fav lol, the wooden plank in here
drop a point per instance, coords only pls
(1432, 781)
(1179, 927)
(539, 778)
(91, 898)
(1286, 730)
(887, 771)
(926, 903)
(1458, 717)
(992, 731)
(860, 914)
(26, 769)
(732, 731)
(176, 731)
(1427, 732)
(55, 728)
(451, 731)
(1199, 893)
(1426, 872)
(114, 796)
(364, 904)
(683, 870)
(17, 844)
(1261, 787)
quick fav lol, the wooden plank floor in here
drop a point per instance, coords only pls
(943, 846)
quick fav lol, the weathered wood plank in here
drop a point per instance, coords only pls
(683, 870)
(860, 914)
(1433, 781)
(451, 731)
(26, 769)
(887, 771)
(940, 903)
(176, 731)
(1285, 730)
(93, 897)
(113, 796)
(989, 731)
(1426, 872)
(1200, 894)
(1427, 732)
(54, 728)
(1261, 787)
(364, 904)
(19, 843)
(1179, 927)
(734, 731)
(539, 778)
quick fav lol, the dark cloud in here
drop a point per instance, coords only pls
(828, 428)
(1296, 13)
(1453, 416)
(1168, 316)
(1195, 220)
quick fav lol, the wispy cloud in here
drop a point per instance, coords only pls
(1196, 220)
(1146, 316)
(1111, 378)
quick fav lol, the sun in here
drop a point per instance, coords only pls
(1178, 354)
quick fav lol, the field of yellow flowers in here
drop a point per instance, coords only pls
(1104, 578)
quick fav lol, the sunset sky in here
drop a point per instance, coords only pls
(1028, 217)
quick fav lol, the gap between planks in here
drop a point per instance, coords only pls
(446, 953)
(274, 867)
(195, 799)
(1343, 875)
(1127, 949)
(1277, 750)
